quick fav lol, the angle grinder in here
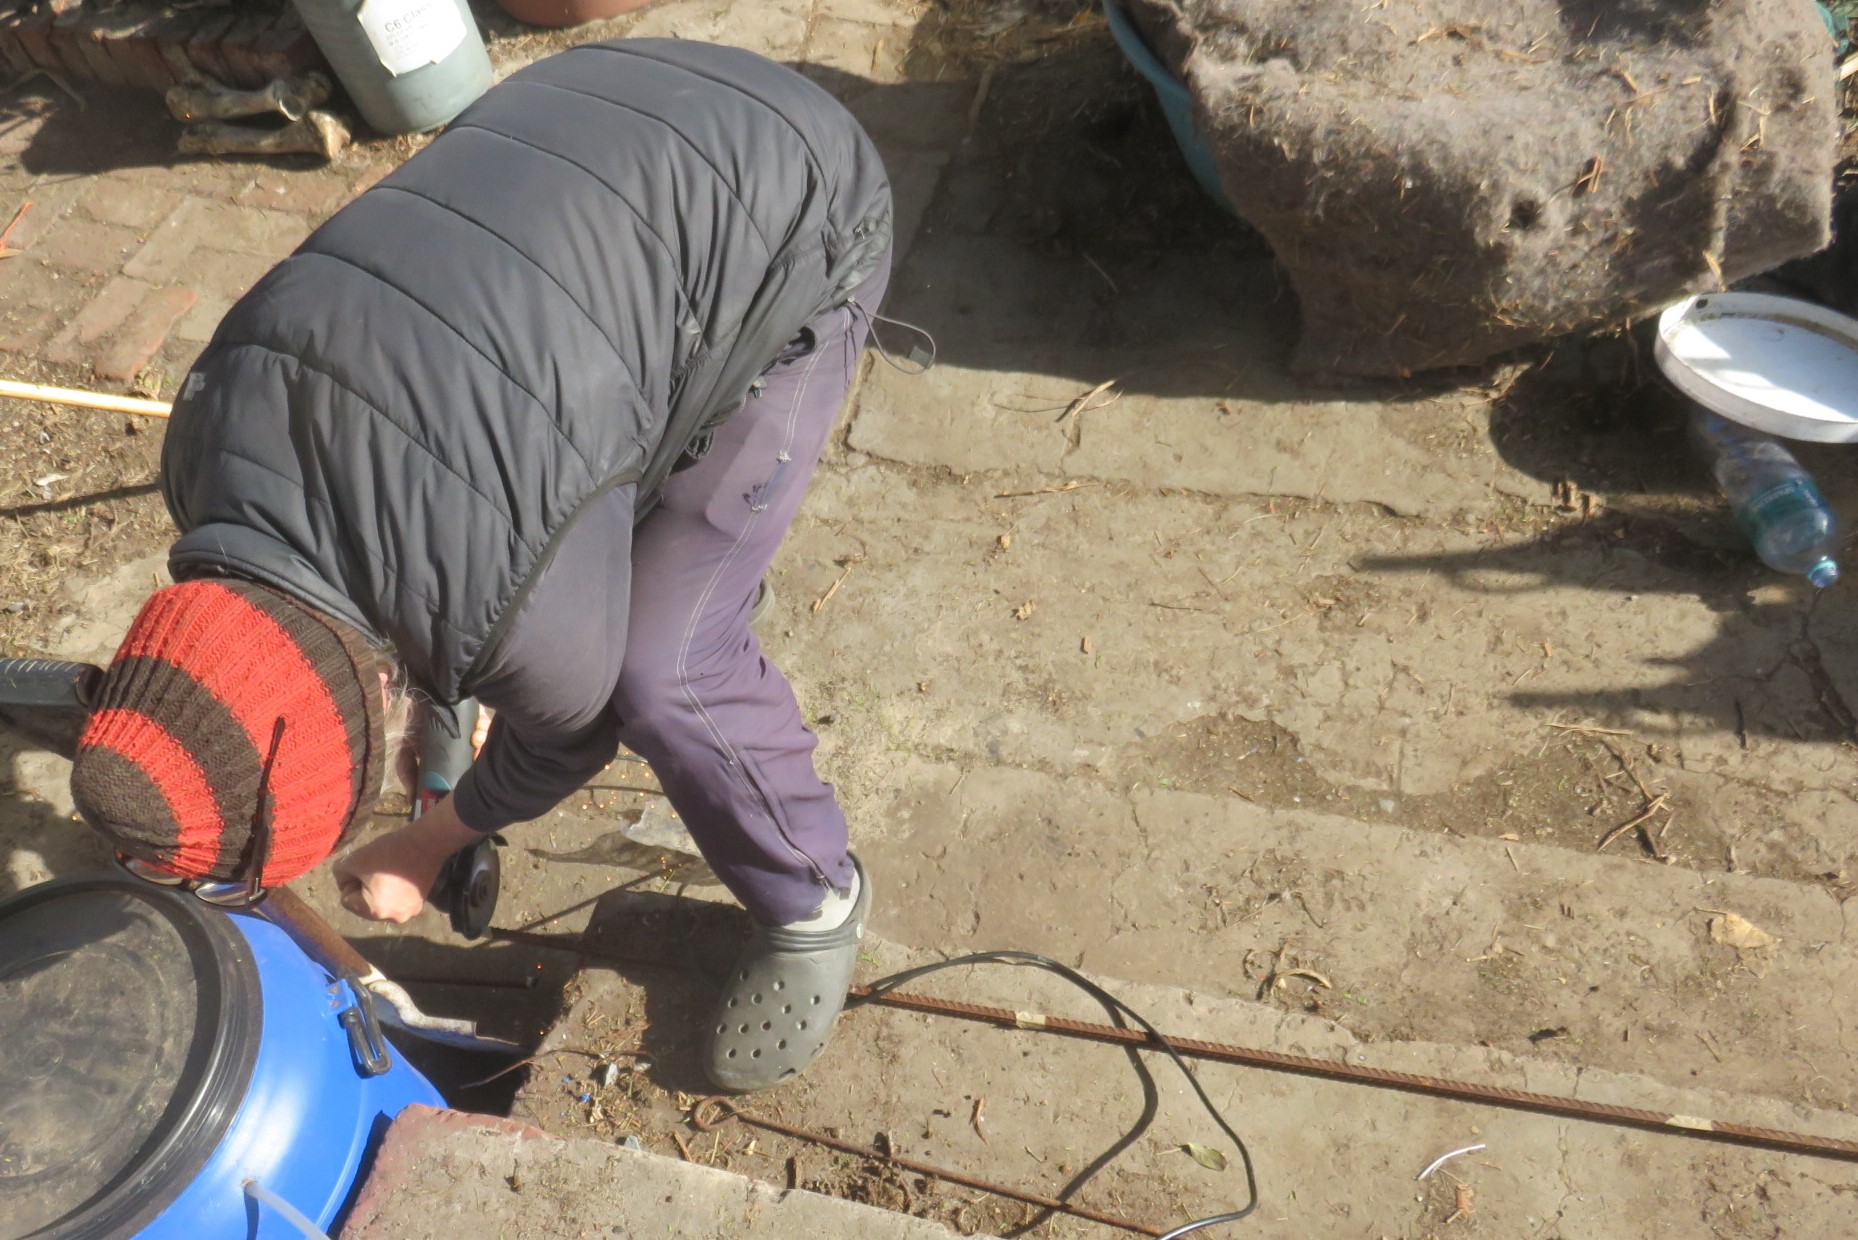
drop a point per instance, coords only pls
(469, 882)
(468, 885)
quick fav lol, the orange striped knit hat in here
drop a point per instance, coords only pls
(169, 766)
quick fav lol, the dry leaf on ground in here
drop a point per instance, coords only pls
(1205, 1155)
(1739, 932)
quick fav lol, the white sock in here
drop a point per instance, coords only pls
(833, 911)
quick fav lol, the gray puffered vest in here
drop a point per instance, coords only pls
(558, 296)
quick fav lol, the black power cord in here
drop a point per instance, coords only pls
(885, 985)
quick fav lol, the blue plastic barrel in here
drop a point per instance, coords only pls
(1176, 103)
(409, 65)
(160, 1054)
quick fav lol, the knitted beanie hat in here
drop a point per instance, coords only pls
(170, 764)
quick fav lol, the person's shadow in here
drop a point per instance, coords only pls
(40, 841)
(1782, 663)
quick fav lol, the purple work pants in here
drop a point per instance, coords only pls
(696, 698)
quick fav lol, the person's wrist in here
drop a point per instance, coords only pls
(439, 832)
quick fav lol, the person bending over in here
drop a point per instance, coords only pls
(524, 422)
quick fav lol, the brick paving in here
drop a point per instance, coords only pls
(130, 268)
(128, 256)
(137, 281)
(148, 45)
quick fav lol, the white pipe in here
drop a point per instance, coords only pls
(1442, 1159)
(289, 1213)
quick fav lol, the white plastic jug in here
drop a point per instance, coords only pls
(409, 65)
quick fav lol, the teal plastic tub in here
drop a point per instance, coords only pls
(1176, 104)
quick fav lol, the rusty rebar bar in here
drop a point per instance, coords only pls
(1387, 1078)
(1693, 1126)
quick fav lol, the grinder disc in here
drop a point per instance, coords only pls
(468, 887)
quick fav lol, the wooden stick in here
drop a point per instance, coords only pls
(1657, 804)
(84, 400)
(1586, 728)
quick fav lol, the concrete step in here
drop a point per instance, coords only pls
(1564, 956)
(1399, 671)
(1036, 1110)
(1424, 934)
(441, 1174)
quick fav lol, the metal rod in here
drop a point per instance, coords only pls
(1323, 1069)
(319, 940)
(706, 1115)
(107, 401)
(484, 983)
(1386, 1078)
(286, 910)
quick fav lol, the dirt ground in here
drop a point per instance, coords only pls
(1125, 646)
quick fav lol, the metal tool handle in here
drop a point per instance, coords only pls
(339, 958)
(48, 701)
(285, 909)
(48, 682)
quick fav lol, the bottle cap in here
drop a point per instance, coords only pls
(1823, 573)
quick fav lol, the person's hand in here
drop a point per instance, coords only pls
(481, 732)
(387, 879)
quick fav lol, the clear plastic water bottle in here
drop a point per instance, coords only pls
(1776, 502)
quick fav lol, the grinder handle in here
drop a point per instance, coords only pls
(443, 757)
(467, 886)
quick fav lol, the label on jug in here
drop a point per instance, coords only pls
(411, 34)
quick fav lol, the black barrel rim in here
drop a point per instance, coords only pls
(218, 1065)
